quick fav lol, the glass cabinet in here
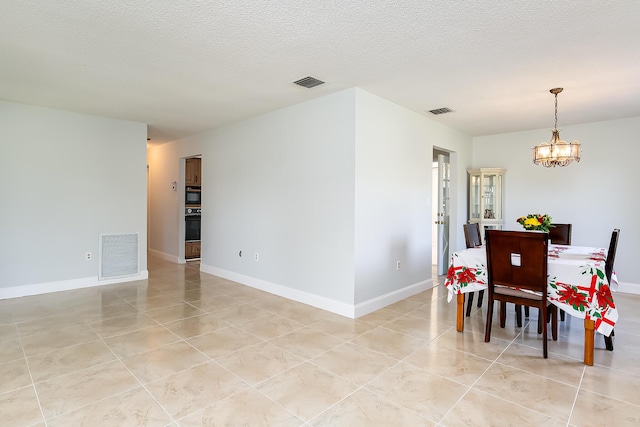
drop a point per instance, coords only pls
(486, 197)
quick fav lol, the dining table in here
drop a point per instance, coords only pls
(577, 284)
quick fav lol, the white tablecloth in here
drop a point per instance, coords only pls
(577, 282)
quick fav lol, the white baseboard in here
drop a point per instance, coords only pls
(628, 288)
(323, 303)
(382, 301)
(165, 256)
(337, 307)
(65, 285)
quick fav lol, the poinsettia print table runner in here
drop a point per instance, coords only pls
(577, 282)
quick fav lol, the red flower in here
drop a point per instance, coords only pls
(604, 297)
(570, 295)
(451, 273)
(466, 275)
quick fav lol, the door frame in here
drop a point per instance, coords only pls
(453, 205)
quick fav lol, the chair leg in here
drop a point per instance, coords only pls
(608, 341)
(503, 314)
(543, 314)
(526, 311)
(480, 297)
(519, 316)
(469, 303)
(552, 316)
(557, 310)
(540, 322)
(487, 329)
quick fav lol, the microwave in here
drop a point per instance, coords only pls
(192, 196)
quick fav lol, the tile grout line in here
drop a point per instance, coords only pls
(493, 362)
(397, 362)
(119, 359)
(249, 386)
(33, 384)
(575, 398)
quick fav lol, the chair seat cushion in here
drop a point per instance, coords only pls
(505, 290)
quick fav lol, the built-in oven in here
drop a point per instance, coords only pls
(192, 224)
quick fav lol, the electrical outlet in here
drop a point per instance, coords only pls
(87, 256)
(257, 256)
(398, 265)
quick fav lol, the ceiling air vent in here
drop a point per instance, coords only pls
(442, 110)
(309, 82)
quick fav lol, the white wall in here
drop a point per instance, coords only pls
(284, 185)
(596, 195)
(66, 178)
(394, 158)
(280, 184)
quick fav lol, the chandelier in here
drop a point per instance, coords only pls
(556, 152)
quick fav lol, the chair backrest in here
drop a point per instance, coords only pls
(560, 234)
(472, 235)
(611, 254)
(517, 259)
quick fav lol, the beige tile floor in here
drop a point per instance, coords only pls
(189, 349)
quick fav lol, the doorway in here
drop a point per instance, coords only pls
(190, 209)
(441, 211)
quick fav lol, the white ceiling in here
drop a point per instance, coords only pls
(185, 66)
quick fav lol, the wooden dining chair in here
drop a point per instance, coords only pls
(560, 234)
(473, 240)
(517, 263)
(608, 271)
(472, 235)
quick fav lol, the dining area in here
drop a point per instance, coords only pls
(536, 268)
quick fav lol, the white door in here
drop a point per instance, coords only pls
(442, 215)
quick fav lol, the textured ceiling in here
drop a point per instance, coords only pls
(186, 66)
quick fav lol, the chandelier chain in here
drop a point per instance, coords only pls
(556, 122)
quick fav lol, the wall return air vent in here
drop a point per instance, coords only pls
(119, 256)
(309, 82)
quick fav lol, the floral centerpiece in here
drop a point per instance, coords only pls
(535, 222)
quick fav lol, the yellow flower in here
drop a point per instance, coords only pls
(532, 222)
(535, 222)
